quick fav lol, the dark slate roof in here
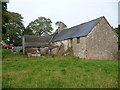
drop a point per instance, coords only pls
(77, 31)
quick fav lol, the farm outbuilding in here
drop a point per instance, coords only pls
(95, 39)
(33, 44)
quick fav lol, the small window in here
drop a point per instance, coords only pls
(71, 40)
(70, 45)
(78, 39)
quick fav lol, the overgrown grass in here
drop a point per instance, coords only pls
(19, 71)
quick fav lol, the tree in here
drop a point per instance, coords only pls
(5, 17)
(12, 26)
(118, 32)
(40, 26)
(60, 25)
(28, 32)
(14, 29)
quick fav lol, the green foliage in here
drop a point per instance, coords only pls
(40, 26)
(118, 32)
(19, 71)
(7, 55)
(60, 25)
(12, 26)
(28, 32)
(5, 17)
(4, 6)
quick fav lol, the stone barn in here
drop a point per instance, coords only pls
(36, 44)
(95, 39)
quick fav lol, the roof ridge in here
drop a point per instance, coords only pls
(82, 29)
(30, 35)
(87, 22)
(35, 35)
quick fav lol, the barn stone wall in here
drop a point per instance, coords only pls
(65, 43)
(54, 51)
(60, 47)
(79, 49)
(61, 50)
(102, 42)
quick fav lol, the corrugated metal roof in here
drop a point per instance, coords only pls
(36, 45)
(32, 38)
(76, 31)
(37, 41)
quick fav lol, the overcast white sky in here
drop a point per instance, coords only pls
(71, 12)
(119, 13)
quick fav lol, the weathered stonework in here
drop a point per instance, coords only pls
(79, 49)
(102, 42)
(59, 49)
(95, 39)
(54, 51)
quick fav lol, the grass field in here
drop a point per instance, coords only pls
(19, 71)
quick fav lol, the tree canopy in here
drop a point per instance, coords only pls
(14, 28)
(5, 17)
(60, 25)
(40, 26)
